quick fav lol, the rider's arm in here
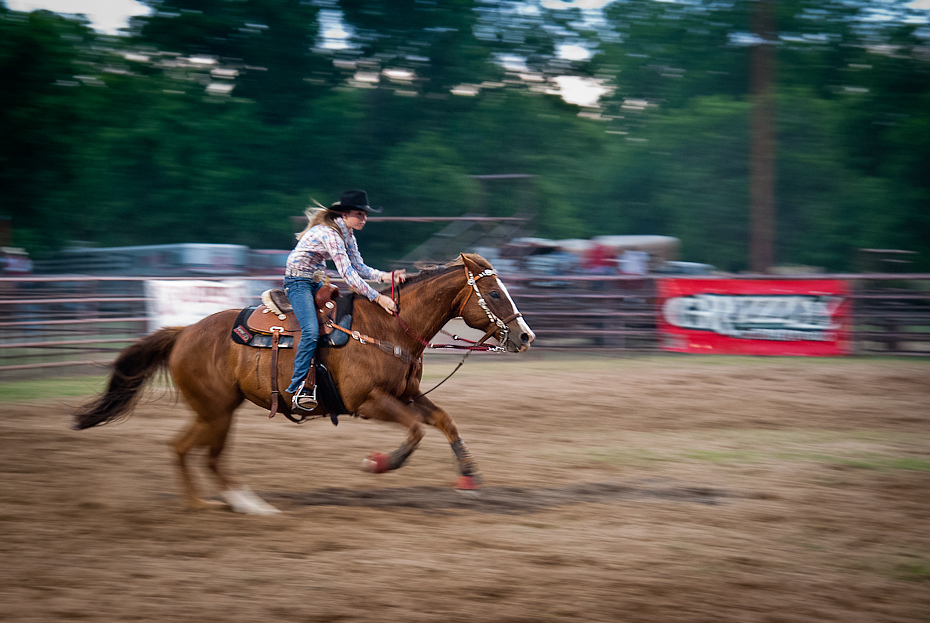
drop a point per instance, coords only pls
(337, 251)
(367, 272)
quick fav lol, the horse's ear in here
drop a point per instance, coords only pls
(469, 260)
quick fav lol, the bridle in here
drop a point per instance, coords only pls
(497, 325)
(501, 324)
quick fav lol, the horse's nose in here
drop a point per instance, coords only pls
(526, 338)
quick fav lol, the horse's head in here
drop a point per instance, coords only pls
(488, 307)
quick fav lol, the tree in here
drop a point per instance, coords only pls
(268, 42)
(40, 67)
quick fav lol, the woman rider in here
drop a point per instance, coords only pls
(330, 234)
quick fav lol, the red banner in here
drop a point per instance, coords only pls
(755, 316)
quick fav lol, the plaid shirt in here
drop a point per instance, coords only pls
(322, 243)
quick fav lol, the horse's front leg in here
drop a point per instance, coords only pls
(470, 479)
(383, 406)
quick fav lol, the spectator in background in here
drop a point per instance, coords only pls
(599, 260)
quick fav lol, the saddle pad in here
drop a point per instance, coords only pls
(242, 334)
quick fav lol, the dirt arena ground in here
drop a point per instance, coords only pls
(617, 489)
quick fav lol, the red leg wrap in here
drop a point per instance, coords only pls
(467, 483)
(377, 463)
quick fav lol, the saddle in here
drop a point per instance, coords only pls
(256, 325)
(273, 325)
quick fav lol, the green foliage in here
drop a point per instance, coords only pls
(428, 176)
(128, 141)
(702, 154)
(270, 43)
(40, 102)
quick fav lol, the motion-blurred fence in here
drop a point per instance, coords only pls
(49, 323)
(52, 322)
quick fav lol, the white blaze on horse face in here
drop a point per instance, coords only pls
(525, 328)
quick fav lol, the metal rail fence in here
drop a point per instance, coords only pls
(73, 321)
(52, 322)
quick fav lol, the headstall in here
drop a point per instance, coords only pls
(497, 324)
(501, 324)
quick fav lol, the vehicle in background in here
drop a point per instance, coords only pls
(601, 255)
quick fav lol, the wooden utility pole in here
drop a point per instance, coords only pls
(762, 138)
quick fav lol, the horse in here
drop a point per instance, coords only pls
(215, 375)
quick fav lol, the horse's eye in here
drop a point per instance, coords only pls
(495, 294)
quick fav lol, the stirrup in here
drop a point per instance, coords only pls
(304, 402)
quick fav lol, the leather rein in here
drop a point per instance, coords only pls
(497, 325)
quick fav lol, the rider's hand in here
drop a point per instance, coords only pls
(386, 303)
(399, 276)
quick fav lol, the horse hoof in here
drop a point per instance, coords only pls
(244, 501)
(377, 463)
(467, 485)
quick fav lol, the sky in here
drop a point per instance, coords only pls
(109, 16)
(106, 16)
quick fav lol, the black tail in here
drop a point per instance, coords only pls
(131, 370)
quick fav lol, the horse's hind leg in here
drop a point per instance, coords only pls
(470, 479)
(188, 440)
(210, 429)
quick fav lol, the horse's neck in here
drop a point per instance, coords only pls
(428, 305)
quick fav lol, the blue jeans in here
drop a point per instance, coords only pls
(300, 292)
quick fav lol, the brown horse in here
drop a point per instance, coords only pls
(215, 375)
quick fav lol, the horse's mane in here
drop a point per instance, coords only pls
(430, 271)
(427, 272)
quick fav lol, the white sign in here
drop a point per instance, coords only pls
(794, 317)
(182, 303)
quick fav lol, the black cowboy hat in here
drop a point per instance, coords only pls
(354, 200)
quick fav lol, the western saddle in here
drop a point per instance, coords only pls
(275, 317)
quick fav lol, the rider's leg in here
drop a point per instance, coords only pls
(300, 292)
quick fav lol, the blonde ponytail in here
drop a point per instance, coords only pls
(319, 214)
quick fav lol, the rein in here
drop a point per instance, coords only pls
(407, 357)
(497, 324)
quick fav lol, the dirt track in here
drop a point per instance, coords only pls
(660, 489)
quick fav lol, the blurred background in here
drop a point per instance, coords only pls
(758, 133)
(620, 139)
(612, 158)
